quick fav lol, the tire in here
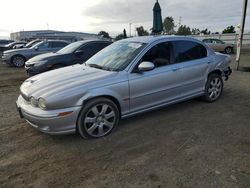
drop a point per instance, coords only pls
(18, 61)
(213, 88)
(228, 50)
(98, 118)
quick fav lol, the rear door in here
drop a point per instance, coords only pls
(193, 59)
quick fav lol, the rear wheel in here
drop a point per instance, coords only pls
(214, 88)
(18, 61)
(228, 50)
(98, 118)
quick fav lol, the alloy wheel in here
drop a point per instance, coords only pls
(100, 120)
(18, 61)
(215, 88)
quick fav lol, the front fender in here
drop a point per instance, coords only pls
(120, 94)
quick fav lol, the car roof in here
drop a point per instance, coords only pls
(86, 41)
(153, 38)
(55, 41)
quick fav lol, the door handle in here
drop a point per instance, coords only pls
(175, 69)
(209, 62)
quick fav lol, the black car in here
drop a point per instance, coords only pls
(4, 42)
(77, 52)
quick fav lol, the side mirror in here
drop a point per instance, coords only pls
(36, 48)
(79, 52)
(146, 66)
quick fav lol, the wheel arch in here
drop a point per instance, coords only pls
(25, 58)
(216, 71)
(111, 96)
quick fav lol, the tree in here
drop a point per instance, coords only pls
(168, 25)
(229, 29)
(141, 32)
(184, 30)
(104, 34)
(124, 33)
(119, 37)
(206, 32)
(195, 31)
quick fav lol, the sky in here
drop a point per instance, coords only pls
(114, 15)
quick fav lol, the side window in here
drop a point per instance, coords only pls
(160, 54)
(43, 46)
(218, 41)
(102, 45)
(58, 44)
(207, 40)
(188, 50)
(89, 48)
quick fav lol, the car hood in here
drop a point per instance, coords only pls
(72, 80)
(44, 57)
(18, 50)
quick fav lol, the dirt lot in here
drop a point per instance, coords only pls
(192, 144)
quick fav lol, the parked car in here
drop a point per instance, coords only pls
(219, 45)
(18, 57)
(128, 77)
(77, 52)
(4, 42)
(13, 45)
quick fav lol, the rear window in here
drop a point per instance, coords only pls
(188, 50)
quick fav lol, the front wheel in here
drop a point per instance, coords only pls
(98, 118)
(18, 61)
(213, 88)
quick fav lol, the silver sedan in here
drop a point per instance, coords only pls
(130, 76)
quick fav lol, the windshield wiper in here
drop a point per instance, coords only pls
(95, 66)
(99, 67)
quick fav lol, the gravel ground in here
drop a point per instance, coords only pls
(191, 144)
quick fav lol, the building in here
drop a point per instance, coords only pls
(51, 34)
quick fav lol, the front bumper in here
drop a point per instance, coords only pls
(6, 58)
(49, 121)
(32, 70)
(227, 72)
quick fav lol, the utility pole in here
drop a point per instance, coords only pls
(130, 29)
(135, 30)
(179, 23)
(242, 26)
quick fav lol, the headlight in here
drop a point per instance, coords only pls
(42, 103)
(33, 101)
(38, 63)
(6, 54)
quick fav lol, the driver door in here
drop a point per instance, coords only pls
(160, 85)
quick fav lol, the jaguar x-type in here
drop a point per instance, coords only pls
(126, 78)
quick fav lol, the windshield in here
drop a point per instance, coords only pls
(31, 43)
(117, 56)
(70, 48)
(37, 44)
